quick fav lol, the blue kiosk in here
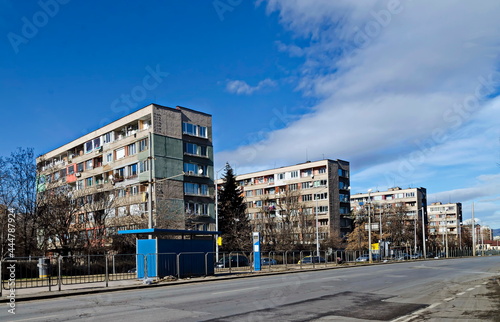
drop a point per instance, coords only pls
(181, 253)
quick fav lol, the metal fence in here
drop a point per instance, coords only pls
(30, 272)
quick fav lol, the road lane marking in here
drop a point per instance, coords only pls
(461, 293)
(469, 289)
(238, 290)
(410, 317)
(449, 299)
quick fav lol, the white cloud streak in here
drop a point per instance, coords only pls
(398, 82)
(240, 87)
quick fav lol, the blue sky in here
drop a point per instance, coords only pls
(406, 91)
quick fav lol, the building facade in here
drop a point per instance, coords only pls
(444, 218)
(154, 167)
(414, 201)
(289, 201)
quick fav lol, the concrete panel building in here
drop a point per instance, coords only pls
(156, 162)
(289, 200)
(413, 199)
(444, 218)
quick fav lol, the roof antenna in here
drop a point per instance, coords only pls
(306, 156)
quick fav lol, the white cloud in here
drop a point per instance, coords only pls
(392, 81)
(241, 87)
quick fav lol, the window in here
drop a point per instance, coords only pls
(202, 131)
(258, 203)
(249, 193)
(322, 170)
(79, 167)
(143, 145)
(343, 197)
(97, 143)
(89, 181)
(188, 128)
(319, 183)
(120, 153)
(71, 169)
(131, 149)
(409, 194)
(307, 198)
(306, 173)
(322, 209)
(134, 190)
(343, 173)
(143, 166)
(293, 186)
(259, 192)
(305, 185)
(88, 165)
(190, 188)
(108, 137)
(132, 170)
(281, 176)
(79, 185)
(109, 157)
(195, 169)
(320, 196)
(294, 174)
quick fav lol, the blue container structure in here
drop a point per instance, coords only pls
(181, 253)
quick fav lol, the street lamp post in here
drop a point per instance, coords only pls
(446, 229)
(423, 234)
(217, 212)
(370, 259)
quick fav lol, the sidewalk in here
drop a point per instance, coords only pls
(39, 293)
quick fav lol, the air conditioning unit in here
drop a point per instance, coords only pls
(78, 174)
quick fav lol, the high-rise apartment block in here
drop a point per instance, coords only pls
(155, 163)
(444, 218)
(289, 200)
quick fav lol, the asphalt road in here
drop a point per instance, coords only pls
(436, 290)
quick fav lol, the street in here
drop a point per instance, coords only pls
(434, 290)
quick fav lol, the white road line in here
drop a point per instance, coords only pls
(238, 290)
(449, 299)
(410, 317)
(469, 289)
(459, 294)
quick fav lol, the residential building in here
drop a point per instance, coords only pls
(288, 201)
(155, 167)
(444, 218)
(413, 200)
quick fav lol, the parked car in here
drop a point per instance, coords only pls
(312, 259)
(416, 256)
(366, 258)
(268, 261)
(232, 261)
(403, 257)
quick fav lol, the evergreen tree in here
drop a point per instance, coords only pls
(234, 224)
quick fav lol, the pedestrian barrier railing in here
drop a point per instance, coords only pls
(51, 272)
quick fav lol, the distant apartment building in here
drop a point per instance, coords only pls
(413, 200)
(156, 162)
(290, 199)
(444, 218)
